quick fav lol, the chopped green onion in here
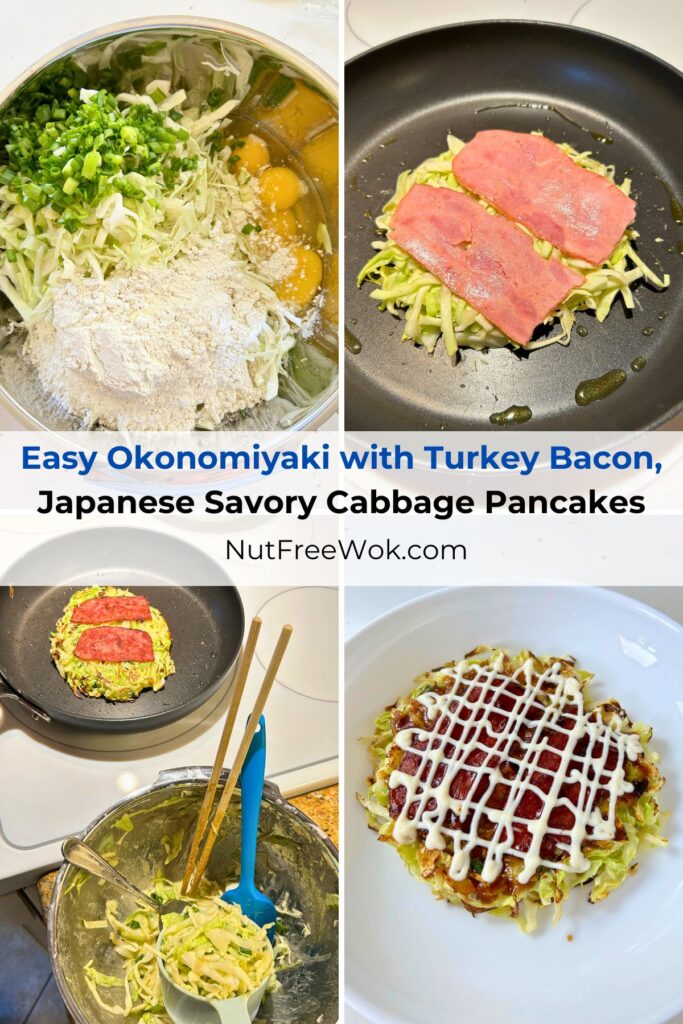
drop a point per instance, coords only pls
(90, 145)
(281, 87)
(215, 98)
(91, 164)
(129, 135)
(153, 48)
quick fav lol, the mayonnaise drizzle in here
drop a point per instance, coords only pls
(561, 695)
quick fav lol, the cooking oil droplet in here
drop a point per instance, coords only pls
(597, 388)
(663, 315)
(676, 206)
(352, 343)
(598, 136)
(582, 332)
(638, 364)
(648, 332)
(515, 414)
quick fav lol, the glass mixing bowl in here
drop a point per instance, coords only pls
(302, 127)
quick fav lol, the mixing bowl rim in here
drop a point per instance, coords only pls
(160, 23)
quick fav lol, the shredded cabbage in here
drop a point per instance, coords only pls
(212, 950)
(433, 312)
(246, 961)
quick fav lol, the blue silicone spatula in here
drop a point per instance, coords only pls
(253, 903)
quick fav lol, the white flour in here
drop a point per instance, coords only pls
(163, 347)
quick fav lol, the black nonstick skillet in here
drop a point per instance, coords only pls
(576, 86)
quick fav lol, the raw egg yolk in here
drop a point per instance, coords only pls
(282, 222)
(280, 188)
(321, 157)
(252, 154)
(301, 285)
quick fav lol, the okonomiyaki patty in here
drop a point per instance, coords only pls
(110, 643)
(503, 786)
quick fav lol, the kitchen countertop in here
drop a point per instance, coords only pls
(321, 805)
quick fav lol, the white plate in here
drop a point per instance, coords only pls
(410, 959)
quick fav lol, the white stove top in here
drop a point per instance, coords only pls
(52, 789)
(372, 22)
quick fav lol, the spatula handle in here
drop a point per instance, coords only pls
(251, 788)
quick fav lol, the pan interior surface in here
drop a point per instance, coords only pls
(207, 626)
(576, 87)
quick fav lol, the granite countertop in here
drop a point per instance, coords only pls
(321, 805)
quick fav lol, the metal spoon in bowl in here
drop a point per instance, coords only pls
(80, 855)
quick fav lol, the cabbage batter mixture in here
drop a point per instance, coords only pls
(211, 949)
(115, 681)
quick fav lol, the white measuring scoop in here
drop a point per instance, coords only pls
(185, 1008)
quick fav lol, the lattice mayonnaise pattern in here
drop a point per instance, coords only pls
(545, 718)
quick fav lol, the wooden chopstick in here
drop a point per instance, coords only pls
(240, 757)
(237, 690)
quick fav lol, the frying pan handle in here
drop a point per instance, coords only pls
(8, 694)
